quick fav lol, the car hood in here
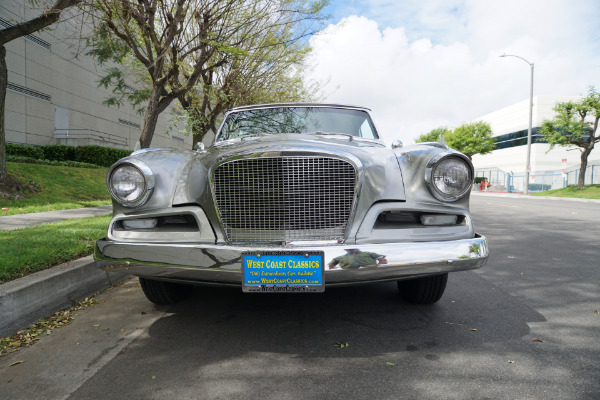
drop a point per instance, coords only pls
(379, 173)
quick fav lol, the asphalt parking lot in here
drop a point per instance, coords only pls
(526, 326)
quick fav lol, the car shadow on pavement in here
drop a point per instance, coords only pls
(345, 343)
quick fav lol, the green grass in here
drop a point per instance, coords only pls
(61, 188)
(29, 250)
(588, 192)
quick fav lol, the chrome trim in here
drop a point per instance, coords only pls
(279, 105)
(435, 160)
(254, 234)
(199, 147)
(221, 265)
(148, 177)
(397, 144)
(204, 234)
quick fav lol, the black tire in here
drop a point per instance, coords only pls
(427, 290)
(163, 293)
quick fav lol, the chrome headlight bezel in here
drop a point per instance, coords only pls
(431, 168)
(145, 172)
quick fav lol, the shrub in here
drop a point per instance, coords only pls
(478, 179)
(100, 155)
(28, 160)
(24, 150)
(97, 155)
(59, 152)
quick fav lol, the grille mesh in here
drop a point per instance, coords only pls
(266, 200)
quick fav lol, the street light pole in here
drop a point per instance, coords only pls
(528, 166)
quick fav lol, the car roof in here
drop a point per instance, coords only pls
(275, 105)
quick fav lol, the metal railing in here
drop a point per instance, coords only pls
(90, 134)
(546, 180)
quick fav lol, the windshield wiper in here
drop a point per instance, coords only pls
(335, 134)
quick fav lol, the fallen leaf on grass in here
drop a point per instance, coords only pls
(473, 330)
(17, 363)
(153, 377)
(342, 345)
(537, 340)
(390, 363)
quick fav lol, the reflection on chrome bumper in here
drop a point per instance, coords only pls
(221, 265)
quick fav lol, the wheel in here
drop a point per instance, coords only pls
(427, 290)
(163, 293)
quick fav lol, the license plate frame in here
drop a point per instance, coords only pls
(283, 271)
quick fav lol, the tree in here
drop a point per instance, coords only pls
(575, 124)
(469, 138)
(433, 135)
(184, 43)
(472, 138)
(270, 72)
(48, 17)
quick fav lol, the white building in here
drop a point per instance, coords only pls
(509, 126)
(53, 95)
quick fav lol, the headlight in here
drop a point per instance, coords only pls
(449, 176)
(130, 182)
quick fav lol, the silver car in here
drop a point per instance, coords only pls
(293, 198)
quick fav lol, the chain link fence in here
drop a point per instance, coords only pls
(503, 181)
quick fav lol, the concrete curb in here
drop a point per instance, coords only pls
(26, 300)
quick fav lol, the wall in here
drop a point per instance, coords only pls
(64, 98)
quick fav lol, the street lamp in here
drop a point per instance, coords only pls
(528, 166)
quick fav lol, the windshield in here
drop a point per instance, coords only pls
(321, 120)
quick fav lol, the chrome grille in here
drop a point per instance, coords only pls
(266, 200)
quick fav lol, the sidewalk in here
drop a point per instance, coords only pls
(25, 300)
(521, 196)
(10, 222)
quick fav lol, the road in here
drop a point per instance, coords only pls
(541, 282)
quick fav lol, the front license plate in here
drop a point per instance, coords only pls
(284, 272)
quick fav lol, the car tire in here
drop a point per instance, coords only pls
(427, 290)
(163, 293)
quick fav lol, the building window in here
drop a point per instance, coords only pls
(519, 138)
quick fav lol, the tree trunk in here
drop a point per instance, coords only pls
(584, 161)
(3, 84)
(150, 118)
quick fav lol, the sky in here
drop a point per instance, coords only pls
(422, 64)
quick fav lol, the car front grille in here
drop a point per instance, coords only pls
(268, 200)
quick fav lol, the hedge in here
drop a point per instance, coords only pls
(23, 150)
(29, 160)
(100, 155)
(97, 155)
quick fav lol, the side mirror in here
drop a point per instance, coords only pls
(396, 144)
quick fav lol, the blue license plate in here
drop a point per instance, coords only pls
(283, 272)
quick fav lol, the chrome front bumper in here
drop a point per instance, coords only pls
(221, 264)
